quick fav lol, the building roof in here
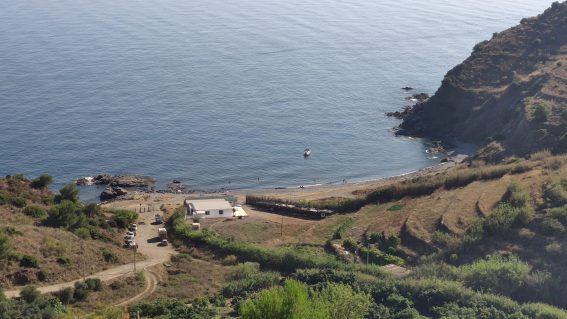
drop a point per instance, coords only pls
(208, 204)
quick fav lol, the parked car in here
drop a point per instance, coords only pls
(131, 233)
(163, 242)
(133, 227)
(158, 219)
(129, 237)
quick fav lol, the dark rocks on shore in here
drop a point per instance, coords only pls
(400, 114)
(407, 88)
(111, 192)
(419, 97)
(117, 180)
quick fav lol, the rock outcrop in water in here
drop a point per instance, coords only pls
(118, 180)
(511, 93)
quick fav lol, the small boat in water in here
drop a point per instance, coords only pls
(306, 152)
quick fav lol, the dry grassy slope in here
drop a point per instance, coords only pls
(492, 94)
(448, 210)
(47, 244)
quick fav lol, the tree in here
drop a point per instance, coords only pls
(91, 210)
(69, 192)
(42, 181)
(66, 214)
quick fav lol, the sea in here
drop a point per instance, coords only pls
(227, 94)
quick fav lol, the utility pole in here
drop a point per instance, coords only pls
(367, 251)
(135, 250)
(84, 262)
(281, 228)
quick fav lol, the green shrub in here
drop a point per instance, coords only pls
(42, 275)
(42, 181)
(83, 232)
(553, 248)
(69, 192)
(516, 196)
(122, 218)
(29, 294)
(3, 199)
(17, 202)
(342, 229)
(29, 262)
(139, 276)
(555, 194)
(376, 238)
(251, 283)
(350, 244)
(65, 261)
(542, 112)
(94, 284)
(244, 270)
(11, 231)
(396, 207)
(65, 295)
(5, 248)
(552, 226)
(446, 240)
(230, 260)
(35, 211)
(378, 257)
(109, 256)
(81, 291)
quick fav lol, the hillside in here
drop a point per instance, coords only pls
(511, 91)
(48, 238)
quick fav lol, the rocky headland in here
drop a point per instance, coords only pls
(509, 96)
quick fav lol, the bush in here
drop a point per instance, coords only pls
(139, 276)
(251, 283)
(244, 270)
(350, 245)
(230, 260)
(42, 275)
(94, 284)
(17, 202)
(552, 226)
(5, 248)
(69, 192)
(396, 207)
(516, 196)
(123, 218)
(42, 181)
(65, 261)
(553, 248)
(109, 256)
(542, 112)
(65, 295)
(81, 291)
(3, 199)
(35, 211)
(555, 194)
(29, 262)
(343, 227)
(29, 294)
(83, 232)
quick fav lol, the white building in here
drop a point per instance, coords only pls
(208, 208)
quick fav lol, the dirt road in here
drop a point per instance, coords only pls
(146, 238)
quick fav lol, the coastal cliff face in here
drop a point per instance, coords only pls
(510, 93)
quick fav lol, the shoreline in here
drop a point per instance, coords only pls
(302, 192)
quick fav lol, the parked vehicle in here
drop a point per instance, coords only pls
(163, 242)
(128, 237)
(162, 233)
(158, 219)
(131, 233)
(133, 227)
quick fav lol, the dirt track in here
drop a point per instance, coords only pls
(146, 239)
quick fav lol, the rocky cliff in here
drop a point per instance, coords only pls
(511, 93)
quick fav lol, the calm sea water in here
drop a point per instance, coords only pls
(214, 92)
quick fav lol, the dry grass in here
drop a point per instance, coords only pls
(188, 277)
